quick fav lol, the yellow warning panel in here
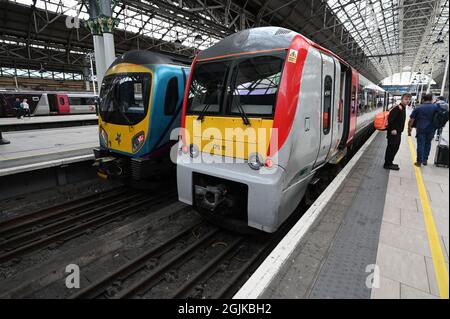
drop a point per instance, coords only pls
(292, 57)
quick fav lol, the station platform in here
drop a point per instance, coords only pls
(37, 149)
(373, 233)
(9, 124)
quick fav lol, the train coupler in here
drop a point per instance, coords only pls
(211, 197)
(109, 167)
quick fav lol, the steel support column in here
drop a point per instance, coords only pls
(444, 80)
(107, 25)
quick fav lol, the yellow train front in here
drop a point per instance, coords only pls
(140, 103)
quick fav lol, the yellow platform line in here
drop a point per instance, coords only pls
(440, 269)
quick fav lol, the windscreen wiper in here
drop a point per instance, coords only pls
(203, 112)
(124, 116)
(107, 98)
(244, 116)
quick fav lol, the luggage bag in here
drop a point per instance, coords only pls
(441, 157)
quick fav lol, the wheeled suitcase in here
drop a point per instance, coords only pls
(441, 157)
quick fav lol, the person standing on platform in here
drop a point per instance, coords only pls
(396, 125)
(16, 104)
(440, 101)
(17, 108)
(26, 108)
(422, 118)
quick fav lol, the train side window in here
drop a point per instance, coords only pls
(171, 99)
(353, 104)
(61, 101)
(327, 100)
(360, 99)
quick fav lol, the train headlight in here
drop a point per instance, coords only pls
(268, 163)
(193, 150)
(138, 141)
(254, 161)
(104, 136)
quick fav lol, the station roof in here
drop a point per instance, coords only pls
(378, 37)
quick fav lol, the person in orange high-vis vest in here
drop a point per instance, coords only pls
(395, 127)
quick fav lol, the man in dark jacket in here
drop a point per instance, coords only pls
(396, 125)
(422, 118)
(17, 107)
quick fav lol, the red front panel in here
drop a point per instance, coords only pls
(353, 107)
(185, 98)
(63, 104)
(288, 91)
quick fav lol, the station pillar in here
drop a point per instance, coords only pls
(97, 38)
(102, 24)
(107, 24)
(444, 80)
(99, 54)
(87, 84)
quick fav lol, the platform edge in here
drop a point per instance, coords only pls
(266, 272)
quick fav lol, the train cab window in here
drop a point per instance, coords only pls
(327, 102)
(171, 99)
(254, 86)
(124, 98)
(205, 92)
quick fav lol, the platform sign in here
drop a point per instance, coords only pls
(398, 89)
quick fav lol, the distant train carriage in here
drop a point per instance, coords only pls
(48, 103)
(301, 107)
(140, 104)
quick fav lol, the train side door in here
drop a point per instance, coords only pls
(327, 108)
(63, 104)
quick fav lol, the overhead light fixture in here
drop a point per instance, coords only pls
(198, 38)
(177, 43)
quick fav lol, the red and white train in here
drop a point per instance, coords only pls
(47, 103)
(307, 106)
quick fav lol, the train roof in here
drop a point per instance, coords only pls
(250, 40)
(368, 84)
(141, 57)
(260, 39)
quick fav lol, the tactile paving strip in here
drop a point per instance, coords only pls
(343, 274)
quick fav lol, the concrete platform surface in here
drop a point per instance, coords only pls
(32, 149)
(46, 119)
(374, 233)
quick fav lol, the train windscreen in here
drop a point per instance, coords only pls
(246, 85)
(124, 98)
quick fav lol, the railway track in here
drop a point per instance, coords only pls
(55, 209)
(53, 226)
(199, 261)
